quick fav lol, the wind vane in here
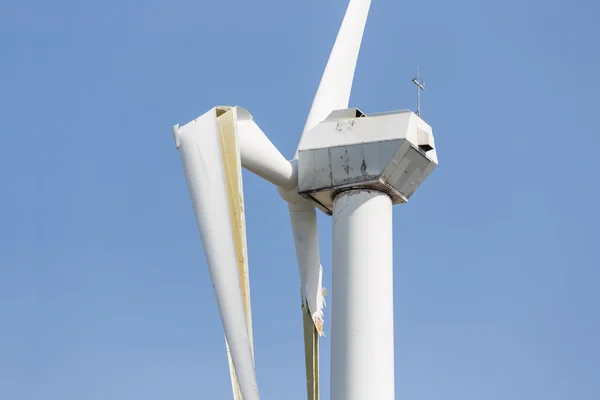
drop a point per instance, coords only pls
(420, 86)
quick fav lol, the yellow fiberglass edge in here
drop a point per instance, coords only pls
(233, 179)
(311, 354)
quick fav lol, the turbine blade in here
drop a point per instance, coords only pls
(304, 227)
(210, 157)
(260, 156)
(303, 217)
(336, 83)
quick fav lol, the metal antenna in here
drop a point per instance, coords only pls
(420, 86)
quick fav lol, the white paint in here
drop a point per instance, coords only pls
(336, 83)
(199, 148)
(362, 333)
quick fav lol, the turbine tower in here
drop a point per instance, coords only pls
(349, 165)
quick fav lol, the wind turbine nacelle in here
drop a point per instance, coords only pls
(391, 152)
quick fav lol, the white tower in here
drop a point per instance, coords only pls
(355, 167)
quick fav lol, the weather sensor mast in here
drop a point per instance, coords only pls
(420, 86)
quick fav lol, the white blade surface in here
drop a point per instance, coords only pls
(204, 163)
(336, 82)
(260, 156)
(303, 217)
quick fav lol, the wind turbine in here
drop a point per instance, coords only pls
(348, 165)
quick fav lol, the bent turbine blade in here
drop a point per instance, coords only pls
(303, 217)
(208, 157)
(336, 83)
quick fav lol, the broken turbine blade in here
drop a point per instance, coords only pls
(210, 158)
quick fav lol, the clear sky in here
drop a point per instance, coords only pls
(104, 291)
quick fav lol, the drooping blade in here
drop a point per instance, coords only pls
(304, 227)
(210, 159)
(336, 83)
(303, 217)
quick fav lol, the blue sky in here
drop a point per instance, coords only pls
(104, 291)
